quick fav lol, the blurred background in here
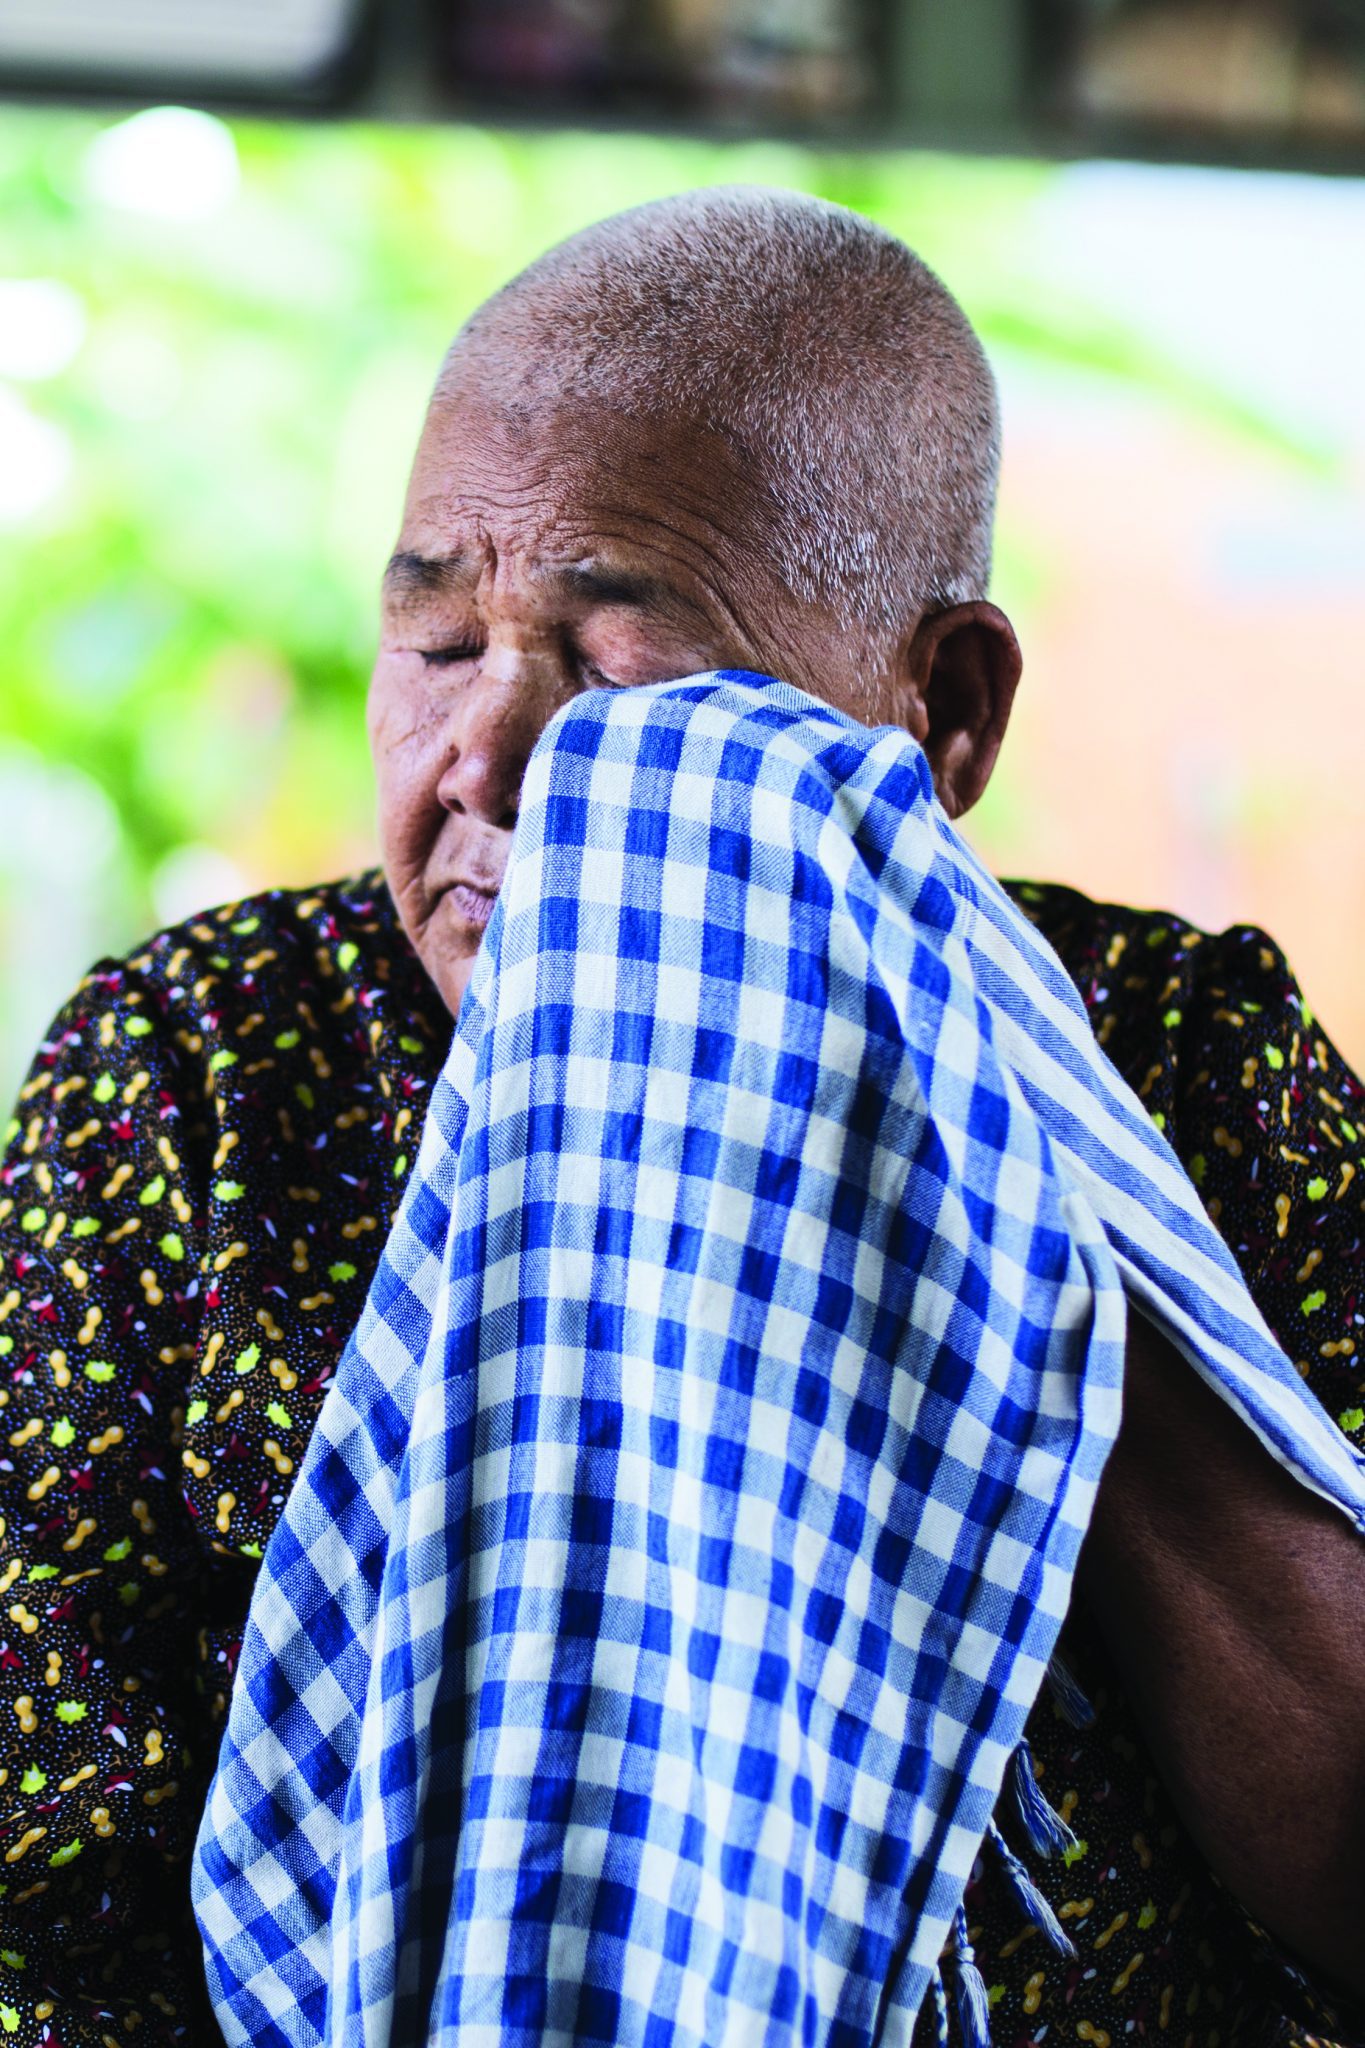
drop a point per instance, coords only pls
(236, 238)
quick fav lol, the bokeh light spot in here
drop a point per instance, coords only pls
(42, 326)
(172, 163)
(35, 460)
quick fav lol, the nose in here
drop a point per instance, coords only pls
(493, 728)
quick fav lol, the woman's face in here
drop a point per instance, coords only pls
(538, 559)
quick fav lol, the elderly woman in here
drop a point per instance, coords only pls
(735, 431)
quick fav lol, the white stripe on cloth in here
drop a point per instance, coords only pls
(680, 1549)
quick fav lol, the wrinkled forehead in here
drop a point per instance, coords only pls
(550, 467)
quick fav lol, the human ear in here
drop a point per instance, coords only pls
(962, 667)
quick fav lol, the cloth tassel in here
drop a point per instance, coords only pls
(1029, 1899)
(973, 2006)
(940, 2008)
(1073, 1703)
(1044, 1826)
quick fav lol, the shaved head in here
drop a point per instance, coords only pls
(739, 429)
(847, 380)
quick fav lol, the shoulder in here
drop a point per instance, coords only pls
(1108, 947)
(346, 929)
(1135, 970)
(329, 965)
(258, 953)
(1214, 1033)
(1179, 1009)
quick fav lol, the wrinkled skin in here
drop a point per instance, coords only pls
(575, 550)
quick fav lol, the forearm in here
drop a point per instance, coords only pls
(1234, 1604)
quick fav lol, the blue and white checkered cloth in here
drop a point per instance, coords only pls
(682, 1544)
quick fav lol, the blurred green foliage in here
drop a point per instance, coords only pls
(186, 615)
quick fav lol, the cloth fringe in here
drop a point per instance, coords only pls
(1028, 1898)
(1046, 1830)
(936, 1985)
(1071, 1701)
(1047, 1833)
(973, 2005)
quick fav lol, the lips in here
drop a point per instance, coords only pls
(471, 901)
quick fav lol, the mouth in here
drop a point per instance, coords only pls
(471, 902)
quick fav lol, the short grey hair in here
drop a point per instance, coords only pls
(844, 373)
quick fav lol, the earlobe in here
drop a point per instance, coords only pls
(963, 665)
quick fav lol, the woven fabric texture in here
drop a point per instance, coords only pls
(683, 1542)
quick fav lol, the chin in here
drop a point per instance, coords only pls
(447, 936)
(450, 966)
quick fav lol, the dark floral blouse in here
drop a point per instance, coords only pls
(199, 1176)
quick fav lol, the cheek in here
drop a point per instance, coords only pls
(400, 708)
(632, 653)
(405, 732)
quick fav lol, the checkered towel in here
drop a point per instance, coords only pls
(681, 1546)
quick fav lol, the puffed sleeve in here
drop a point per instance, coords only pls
(1271, 1122)
(102, 1197)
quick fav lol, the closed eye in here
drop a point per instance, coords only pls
(446, 657)
(590, 672)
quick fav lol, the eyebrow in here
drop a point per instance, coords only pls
(592, 583)
(409, 575)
